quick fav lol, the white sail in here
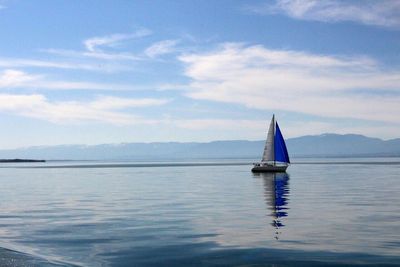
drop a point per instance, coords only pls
(269, 152)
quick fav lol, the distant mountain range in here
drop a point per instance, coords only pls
(325, 145)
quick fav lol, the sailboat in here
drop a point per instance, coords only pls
(275, 157)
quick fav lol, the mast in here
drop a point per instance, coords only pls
(273, 119)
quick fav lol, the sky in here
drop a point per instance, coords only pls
(92, 72)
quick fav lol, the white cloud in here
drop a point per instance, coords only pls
(102, 109)
(262, 78)
(370, 12)
(15, 78)
(161, 48)
(93, 44)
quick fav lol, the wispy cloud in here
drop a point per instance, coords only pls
(111, 102)
(161, 48)
(218, 124)
(320, 85)
(12, 78)
(102, 109)
(98, 47)
(172, 87)
(62, 64)
(370, 12)
(96, 43)
(95, 57)
(101, 54)
(256, 129)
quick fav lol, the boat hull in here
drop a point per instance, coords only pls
(269, 168)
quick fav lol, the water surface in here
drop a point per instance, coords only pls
(212, 214)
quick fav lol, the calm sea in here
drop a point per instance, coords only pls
(322, 212)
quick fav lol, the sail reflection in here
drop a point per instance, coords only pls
(276, 186)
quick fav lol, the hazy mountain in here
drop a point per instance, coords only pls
(319, 145)
(342, 145)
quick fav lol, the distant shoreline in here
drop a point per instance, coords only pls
(20, 160)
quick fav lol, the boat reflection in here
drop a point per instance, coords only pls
(276, 186)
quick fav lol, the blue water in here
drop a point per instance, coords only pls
(324, 212)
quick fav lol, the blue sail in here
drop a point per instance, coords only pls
(281, 153)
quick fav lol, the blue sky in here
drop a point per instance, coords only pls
(90, 72)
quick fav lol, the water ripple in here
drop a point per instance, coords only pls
(200, 215)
